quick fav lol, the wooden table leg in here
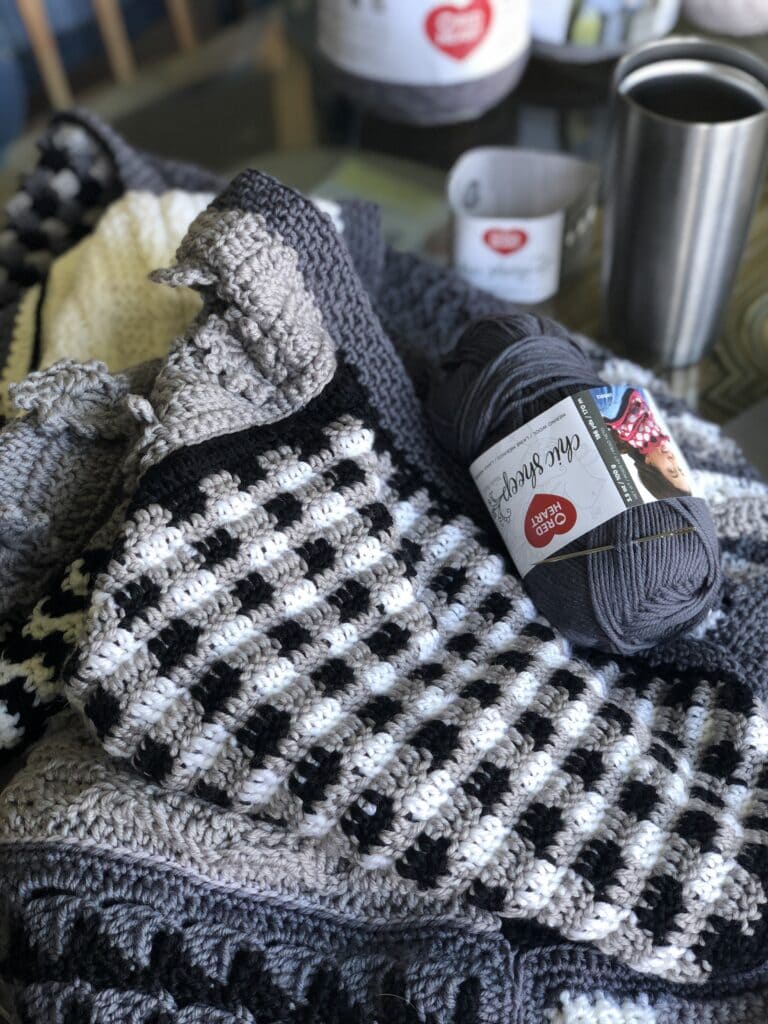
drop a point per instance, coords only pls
(46, 51)
(292, 106)
(115, 37)
(181, 21)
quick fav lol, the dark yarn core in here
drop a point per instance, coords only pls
(503, 372)
(429, 104)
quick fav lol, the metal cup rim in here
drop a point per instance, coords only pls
(690, 48)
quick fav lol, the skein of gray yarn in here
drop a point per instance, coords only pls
(502, 373)
(427, 104)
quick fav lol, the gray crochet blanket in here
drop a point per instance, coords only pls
(324, 762)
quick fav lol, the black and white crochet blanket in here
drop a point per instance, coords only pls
(287, 616)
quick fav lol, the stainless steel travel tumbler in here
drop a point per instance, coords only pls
(688, 154)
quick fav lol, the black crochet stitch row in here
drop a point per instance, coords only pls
(599, 862)
(19, 647)
(173, 482)
(87, 965)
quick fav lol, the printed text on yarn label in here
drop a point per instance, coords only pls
(574, 467)
(423, 42)
(458, 31)
(505, 241)
(519, 261)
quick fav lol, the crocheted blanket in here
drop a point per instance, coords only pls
(287, 621)
(128, 903)
(270, 605)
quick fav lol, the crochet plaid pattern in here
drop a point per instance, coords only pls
(127, 903)
(58, 203)
(83, 166)
(292, 623)
(636, 424)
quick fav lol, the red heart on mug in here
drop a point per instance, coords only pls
(505, 241)
(548, 515)
(458, 31)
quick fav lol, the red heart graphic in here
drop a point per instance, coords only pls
(505, 241)
(548, 515)
(458, 31)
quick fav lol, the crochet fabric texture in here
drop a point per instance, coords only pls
(289, 620)
(257, 520)
(98, 301)
(130, 904)
(83, 167)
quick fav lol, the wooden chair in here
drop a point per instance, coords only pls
(113, 33)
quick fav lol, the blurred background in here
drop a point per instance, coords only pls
(219, 81)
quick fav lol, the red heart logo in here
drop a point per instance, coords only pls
(505, 241)
(548, 515)
(458, 31)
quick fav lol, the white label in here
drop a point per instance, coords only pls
(423, 42)
(509, 213)
(574, 467)
(516, 259)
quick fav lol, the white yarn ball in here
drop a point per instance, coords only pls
(729, 17)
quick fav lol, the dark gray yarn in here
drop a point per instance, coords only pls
(429, 104)
(502, 373)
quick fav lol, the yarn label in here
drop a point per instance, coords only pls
(517, 260)
(572, 468)
(511, 211)
(423, 42)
